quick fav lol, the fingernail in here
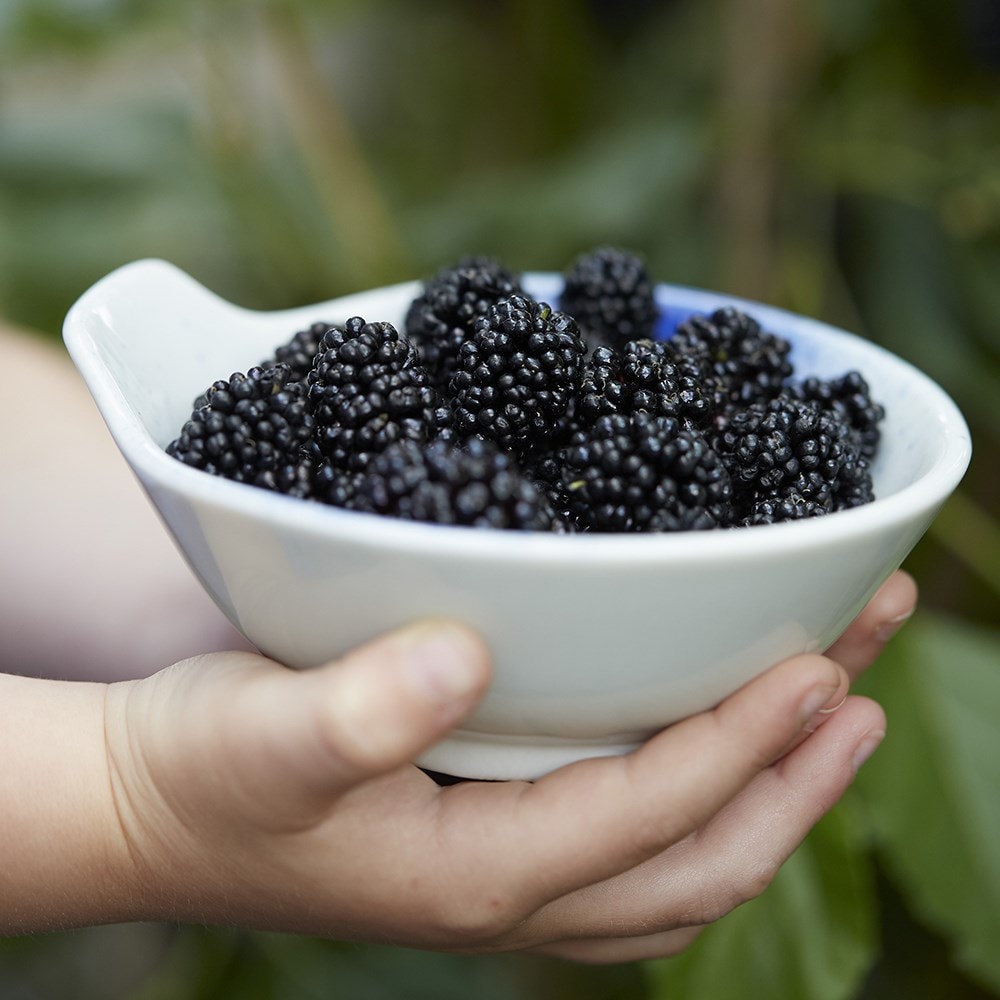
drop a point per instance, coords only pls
(816, 701)
(832, 708)
(888, 629)
(445, 662)
(868, 745)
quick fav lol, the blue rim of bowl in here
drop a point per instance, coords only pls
(157, 469)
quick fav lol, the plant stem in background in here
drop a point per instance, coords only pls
(755, 71)
(333, 156)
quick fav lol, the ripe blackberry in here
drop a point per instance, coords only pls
(747, 364)
(545, 471)
(783, 447)
(773, 510)
(645, 473)
(477, 486)
(610, 294)
(850, 398)
(517, 374)
(300, 350)
(367, 390)
(252, 428)
(644, 375)
(855, 484)
(441, 318)
(334, 485)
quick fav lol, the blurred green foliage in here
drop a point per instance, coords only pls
(838, 157)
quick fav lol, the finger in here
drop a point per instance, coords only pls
(597, 818)
(303, 736)
(764, 826)
(881, 618)
(735, 855)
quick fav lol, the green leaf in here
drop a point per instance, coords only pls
(810, 936)
(933, 789)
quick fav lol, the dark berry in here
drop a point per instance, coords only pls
(299, 351)
(793, 447)
(252, 428)
(768, 445)
(746, 363)
(855, 485)
(645, 473)
(441, 317)
(517, 374)
(334, 485)
(773, 510)
(476, 485)
(546, 472)
(644, 375)
(850, 398)
(368, 390)
(610, 294)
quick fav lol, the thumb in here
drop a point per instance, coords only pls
(320, 731)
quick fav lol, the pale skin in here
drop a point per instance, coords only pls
(226, 789)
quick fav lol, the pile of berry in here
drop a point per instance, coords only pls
(492, 409)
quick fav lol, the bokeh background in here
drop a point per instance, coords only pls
(837, 157)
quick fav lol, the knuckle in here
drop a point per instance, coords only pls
(751, 882)
(653, 827)
(651, 834)
(721, 897)
(746, 743)
(348, 738)
(475, 918)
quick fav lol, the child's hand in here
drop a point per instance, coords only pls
(254, 795)
(229, 789)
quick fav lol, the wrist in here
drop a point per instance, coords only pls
(65, 861)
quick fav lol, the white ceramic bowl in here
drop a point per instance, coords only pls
(598, 640)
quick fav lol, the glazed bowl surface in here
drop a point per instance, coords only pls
(597, 640)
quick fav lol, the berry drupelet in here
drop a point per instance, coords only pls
(610, 294)
(644, 473)
(368, 390)
(745, 363)
(476, 485)
(440, 319)
(517, 375)
(252, 428)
